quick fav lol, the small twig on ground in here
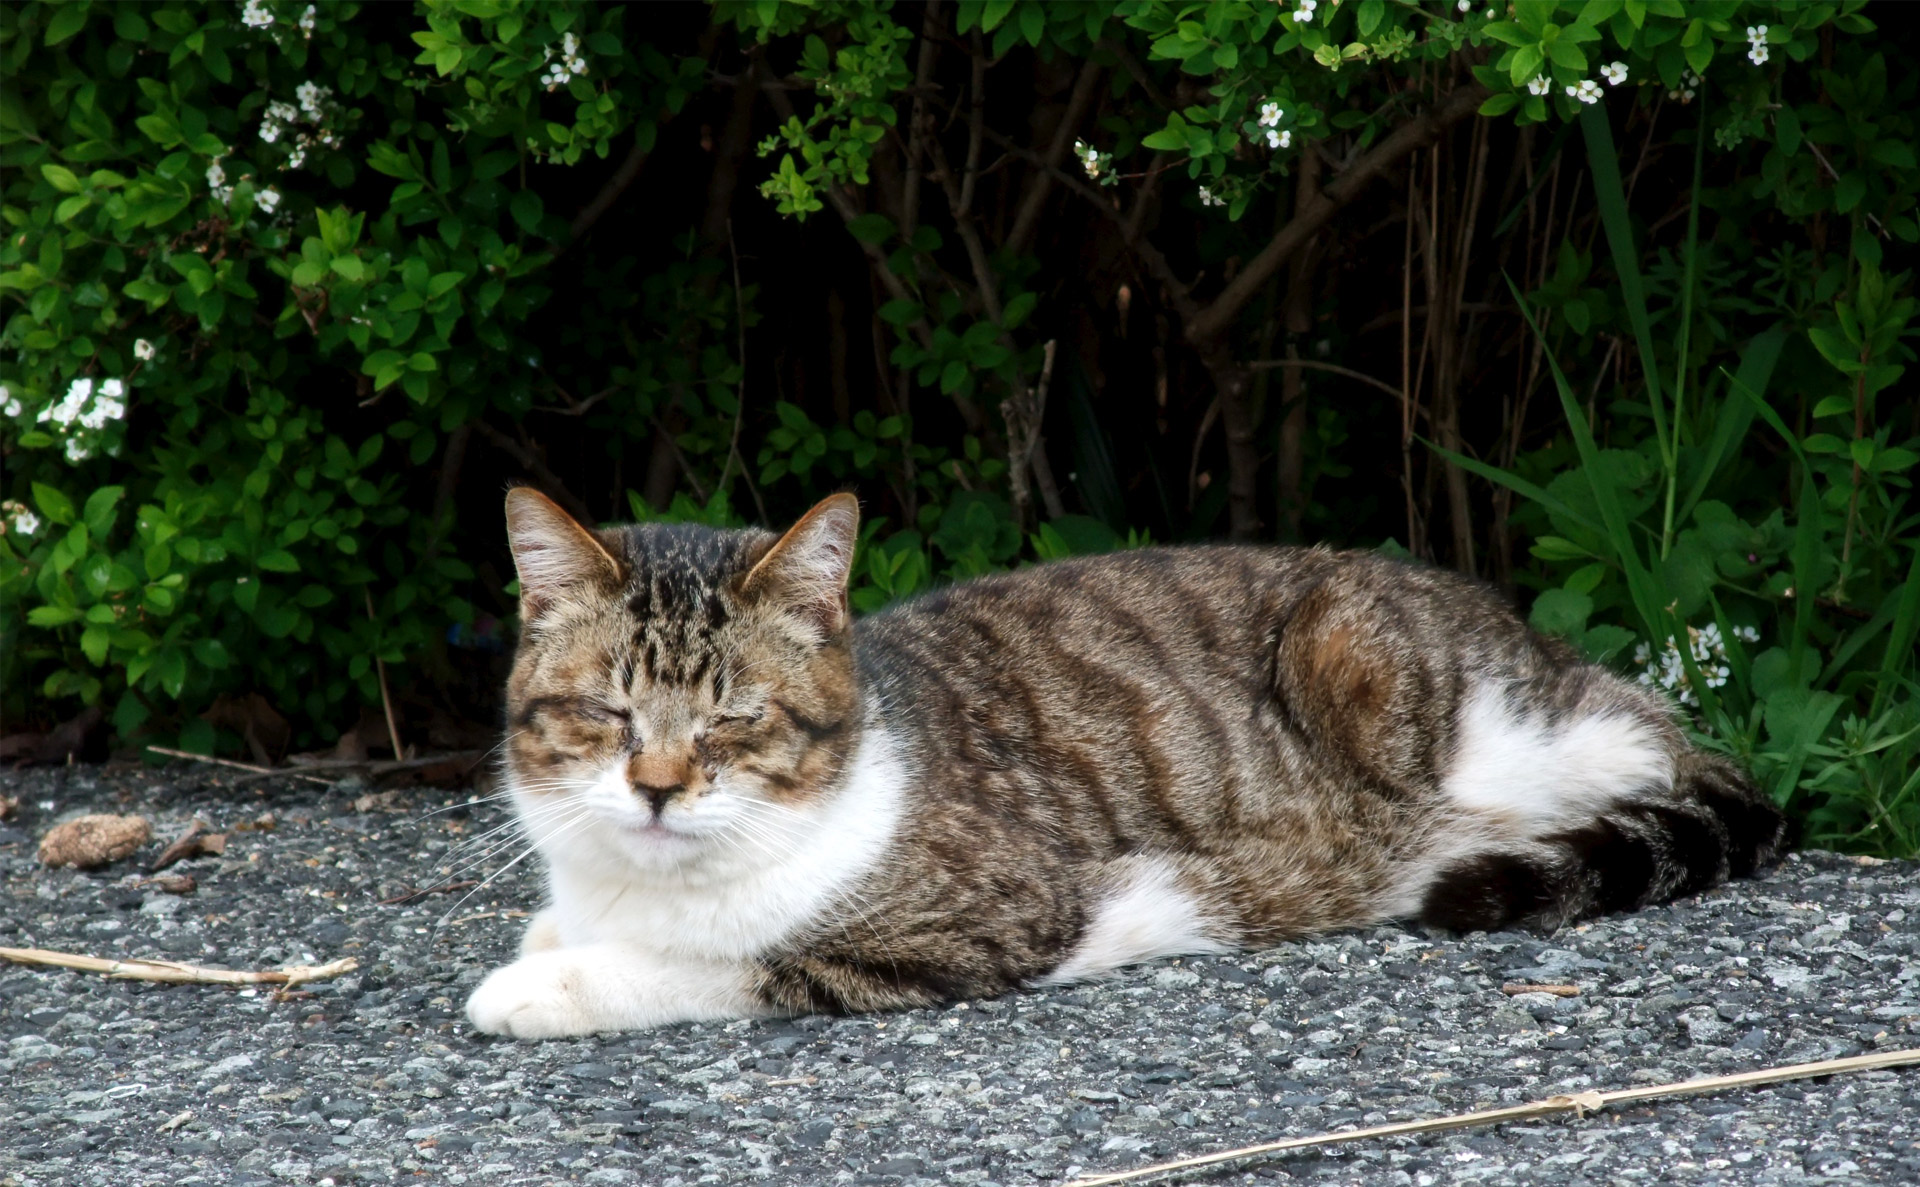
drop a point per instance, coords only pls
(192, 843)
(174, 972)
(1579, 1104)
(410, 895)
(1518, 987)
(238, 766)
(377, 766)
(386, 698)
(176, 1121)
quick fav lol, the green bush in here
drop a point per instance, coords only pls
(290, 292)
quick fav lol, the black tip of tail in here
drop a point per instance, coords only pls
(1715, 826)
(1487, 892)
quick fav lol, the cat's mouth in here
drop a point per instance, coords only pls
(654, 829)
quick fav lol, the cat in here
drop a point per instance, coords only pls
(750, 804)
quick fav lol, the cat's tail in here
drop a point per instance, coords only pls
(1710, 824)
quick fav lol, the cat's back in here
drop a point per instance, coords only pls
(1208, 607)
(1158, 669)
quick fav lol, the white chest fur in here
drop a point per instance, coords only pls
(747, 890)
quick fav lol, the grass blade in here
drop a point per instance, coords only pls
(1756, 371)
(1610, 197)
(1642, 584)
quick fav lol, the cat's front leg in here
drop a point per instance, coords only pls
(543, 932)
(565, 992)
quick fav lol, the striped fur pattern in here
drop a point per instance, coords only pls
(748, 804)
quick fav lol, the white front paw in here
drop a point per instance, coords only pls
(537, 997)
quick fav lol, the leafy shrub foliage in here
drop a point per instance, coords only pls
(1607, 300)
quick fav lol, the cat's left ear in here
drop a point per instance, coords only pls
(807, 568)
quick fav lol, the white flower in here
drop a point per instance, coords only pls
(1465, 5)
(1539, 85)
(24, 520)
(142, 349)
(1303, 12)
(1209, 198)
(1091, 159)
(1270, 114)
(569, 46)
(1615, 74)
(113, 389)
(267, 199)
(1279, 139)
(313, 98)
(216, 176)
(255, 15)
(77, 450)
(296, 158)
(1758, 55)
(1747, 634)
(307, 19)
(1756, 33)
(1587, 92)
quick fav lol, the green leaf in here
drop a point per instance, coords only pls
(871, 228)
(53, 615)
(278, 560)
(952, 376)
(98, 514)
(54, 505)
(1786, 124)
(900, 312)
(63, 178)
(68, 19)
(1561, 612)
(1848, 191)
(527, 210)
(349, 267)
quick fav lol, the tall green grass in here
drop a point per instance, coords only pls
(1820, 698)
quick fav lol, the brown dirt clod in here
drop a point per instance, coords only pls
(88, 841)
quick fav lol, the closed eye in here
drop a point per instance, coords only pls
(740, 718)
(596, 711)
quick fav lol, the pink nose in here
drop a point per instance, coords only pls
(659, 776)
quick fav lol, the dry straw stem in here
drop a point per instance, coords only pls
(173, 972)
(1579, 1104)
(238, 766)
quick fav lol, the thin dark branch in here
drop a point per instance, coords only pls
(1416, 134)
(1333, 368)
(531, 461)
(1034, 201)
(622, 179)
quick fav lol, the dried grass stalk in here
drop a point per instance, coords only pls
(174, 972)
(1579, 1104)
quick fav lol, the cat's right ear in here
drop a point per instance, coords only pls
(555, 556)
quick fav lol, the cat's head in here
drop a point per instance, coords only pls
(679, 691)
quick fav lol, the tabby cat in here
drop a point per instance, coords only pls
(750, 804)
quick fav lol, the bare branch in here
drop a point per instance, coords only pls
(1212, 322)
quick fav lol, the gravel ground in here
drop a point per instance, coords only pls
(377, 1078)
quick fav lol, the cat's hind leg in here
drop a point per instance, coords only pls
(1593, 806)
(1147, 906)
